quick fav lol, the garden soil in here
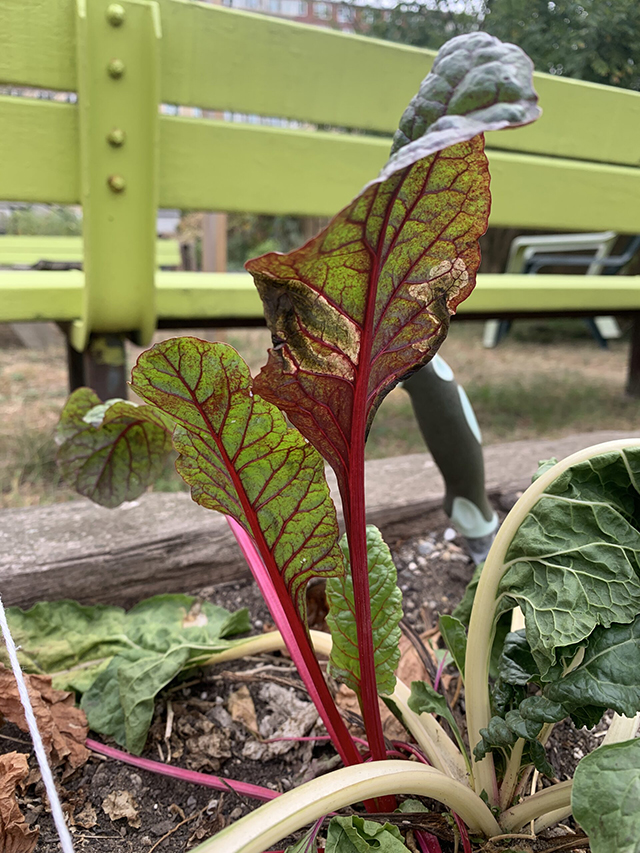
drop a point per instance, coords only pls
(215, 723)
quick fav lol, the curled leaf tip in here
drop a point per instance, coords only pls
(477, 83)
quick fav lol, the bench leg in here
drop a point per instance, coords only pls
(102, 366)
(633, 376)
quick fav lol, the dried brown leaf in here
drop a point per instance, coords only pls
(87, 818)
(122, 804)
(63, 727)
(242, 709)
(15, 835)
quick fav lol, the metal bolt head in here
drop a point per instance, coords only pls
(116, 137)
(116, 183)
(115, 14)
(115, 68)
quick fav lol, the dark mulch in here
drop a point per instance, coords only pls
(172, 816)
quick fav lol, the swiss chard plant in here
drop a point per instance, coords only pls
(354, 311)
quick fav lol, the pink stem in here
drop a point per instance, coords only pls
(441, 667)
(314, 738)
(298, 646)
(412, 750)
(464, 834)
(428, 842)
(206, 779)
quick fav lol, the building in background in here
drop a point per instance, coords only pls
(321, 13)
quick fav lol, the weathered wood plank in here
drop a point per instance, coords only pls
(166, 543)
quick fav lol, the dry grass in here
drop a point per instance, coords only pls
(538, 383)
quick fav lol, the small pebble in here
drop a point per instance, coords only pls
(236, 813)
(258, 623)
(191, 801)
(425, 548)
(413, 566)
(404, 587)
(204, 695)
(449, 534)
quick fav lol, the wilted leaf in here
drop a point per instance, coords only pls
(386, 612)
(242, 709)
(369, 299)
(286, 718)
(63, 727)
(87, 817)
(359, 835)
(15, 835)
(240, 457)
(120, 701)
(121, 660)
(67, 640)
(111, 452)
(574, 563)
(122, 804)
(606, 797)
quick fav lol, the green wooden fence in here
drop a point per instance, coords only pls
(116, 154)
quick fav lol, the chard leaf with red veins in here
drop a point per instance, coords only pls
(368, 300)
(240, 457)
(111, 452)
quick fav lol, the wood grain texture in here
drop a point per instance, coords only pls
(166, 543)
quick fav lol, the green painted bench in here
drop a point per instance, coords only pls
(576, 169)
(18, 250)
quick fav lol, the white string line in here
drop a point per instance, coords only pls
(45, 770)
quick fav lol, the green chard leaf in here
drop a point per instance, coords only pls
(425, 700)
(111, 452)
(359, 835)
(455, 638)
(605, 797)
(600, 674)
(574, 563)
(368, 300)
(502, 733)
(462, 611)
(386, 613)
(240, 457)
(608, 675)
(307, 844)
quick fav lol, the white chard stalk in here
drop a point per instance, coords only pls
(482, 623)
(295, 809)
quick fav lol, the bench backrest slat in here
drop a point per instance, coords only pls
(225, 59)
(265, 169)
(26, 249)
